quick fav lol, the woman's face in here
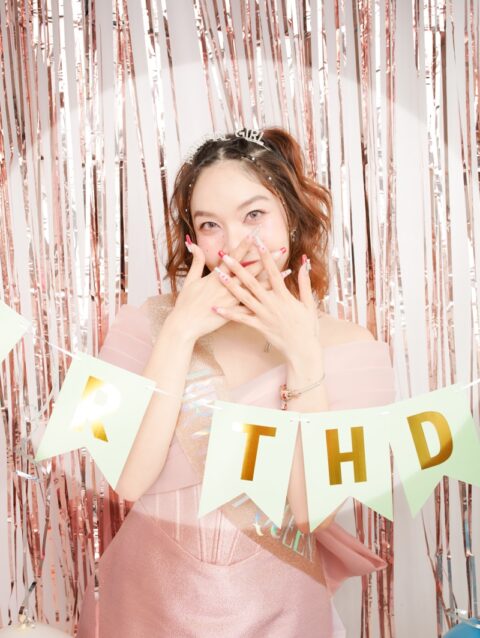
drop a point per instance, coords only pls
(228, 203)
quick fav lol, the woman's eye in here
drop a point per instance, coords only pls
(202, 225)
(259, 214)
(256, 211)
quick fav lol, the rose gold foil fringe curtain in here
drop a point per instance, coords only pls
(99, 102)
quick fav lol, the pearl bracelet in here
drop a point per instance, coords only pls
(286, 394)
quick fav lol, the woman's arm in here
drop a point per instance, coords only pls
(168, 366)
(301, 372)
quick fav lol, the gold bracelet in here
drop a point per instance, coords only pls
(286, 394)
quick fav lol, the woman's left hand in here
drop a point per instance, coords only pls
(287, 323)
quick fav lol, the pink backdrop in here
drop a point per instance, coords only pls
(99, 103)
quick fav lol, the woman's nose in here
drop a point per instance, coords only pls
(235, 238)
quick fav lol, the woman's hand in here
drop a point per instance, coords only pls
(193, 307)
(289, 324)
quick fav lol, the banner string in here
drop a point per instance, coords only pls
(211, 403)
(185, 396)
(157, 390)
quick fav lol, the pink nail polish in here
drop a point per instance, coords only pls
(221, 253)
(223, 276)
(306, 262)
(259, 243)
(283, 250)
(187, 237)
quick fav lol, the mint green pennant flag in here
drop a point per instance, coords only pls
(250, 450)
(100, 407)
(433, 435)
(346, 453)
(12, 328)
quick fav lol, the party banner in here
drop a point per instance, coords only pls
(346, 453)
(250, 450)
(13, 327)
(100, 407)
(433, 435)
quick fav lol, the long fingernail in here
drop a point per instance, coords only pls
(223, 275)
(285, 273)
(189, 248)
(225, 257)
(279, 252)
(255, 231)
(259, 243)
(306, 261)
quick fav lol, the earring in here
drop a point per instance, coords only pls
(293, 234)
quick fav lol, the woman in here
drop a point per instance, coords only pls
(245, 327)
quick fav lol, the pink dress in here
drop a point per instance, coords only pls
(168, 574)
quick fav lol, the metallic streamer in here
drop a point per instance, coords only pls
(94, 118)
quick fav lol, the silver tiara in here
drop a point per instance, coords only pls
(249, 134)
(200, 142)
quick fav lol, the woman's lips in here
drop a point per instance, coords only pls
(247, 263)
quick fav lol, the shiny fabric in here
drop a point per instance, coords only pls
(167, 573)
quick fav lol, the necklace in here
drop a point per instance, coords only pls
(266, 347)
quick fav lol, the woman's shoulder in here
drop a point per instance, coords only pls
(156, 308)
(335, 331)
(158, 302)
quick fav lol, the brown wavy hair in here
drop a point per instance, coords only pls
(280, 168)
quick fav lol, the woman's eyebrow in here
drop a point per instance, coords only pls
(201, 213)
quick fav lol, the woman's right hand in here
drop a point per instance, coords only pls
(193, 307)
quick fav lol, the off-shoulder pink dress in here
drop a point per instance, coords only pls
(168, 574)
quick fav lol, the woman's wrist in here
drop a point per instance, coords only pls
(174, 328)
(304, 371)
(302, 364)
